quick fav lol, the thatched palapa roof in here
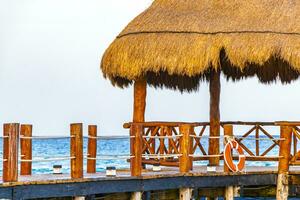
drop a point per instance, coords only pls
(175, 43)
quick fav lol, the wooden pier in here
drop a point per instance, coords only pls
(181, 44)
(174, 146)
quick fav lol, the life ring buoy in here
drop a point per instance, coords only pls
(229, 159)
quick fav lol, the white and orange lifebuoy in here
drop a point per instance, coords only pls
(228, 159)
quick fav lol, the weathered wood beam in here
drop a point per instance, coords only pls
(214, 89)
(79, 198)
(283, 165)
(90, 186)
(186, 143)
(92, 148)
(76, 150)
(136, 131)
(185, 193)
(26, 149)
(229, 190)
(229, 193)
(139, 105)
(10, 152)
(136, 196)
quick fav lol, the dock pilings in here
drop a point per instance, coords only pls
(282, 191)
(92, 149)
(185, 160)
(14, 132)
(136, 132)
(26, 149)
(228, 134)
(136, 144)
(76, 153)
(10, 152)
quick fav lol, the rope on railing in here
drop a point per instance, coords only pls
(206, 156)
(271, 139)
(110, 157)
(3, 160)
(4, 136)
(48, 159)
(221, 155)
(45, 137)
(161, 137)
(110, 137)
(210, 137)
(161, 155)
(249, 156)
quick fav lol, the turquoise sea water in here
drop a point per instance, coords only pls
(52, 148)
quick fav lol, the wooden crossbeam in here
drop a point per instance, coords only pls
(198, 143)
(246, 134)
(268, 135)
(268, 150)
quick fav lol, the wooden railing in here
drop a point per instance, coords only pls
(15, 134)
(295, 153)
(257, 132)
(175, 144)
(161, 141)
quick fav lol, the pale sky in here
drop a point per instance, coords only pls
(50, 51)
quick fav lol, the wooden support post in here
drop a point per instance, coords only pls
(76, 151)
(136, 131)
(214, 143)
(136, 196)
(229, 193)
(139, 105)
(79, 198)
(10, 152)
(228, 133)
(229, 190)
(92, 149)
(185, 193)
(185, 161)
(283, 166)
(26, 148)
(237, 191)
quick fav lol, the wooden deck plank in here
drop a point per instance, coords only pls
(116, 185)
(147, 174)
(50, 185)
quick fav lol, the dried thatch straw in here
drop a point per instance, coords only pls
(175, 43)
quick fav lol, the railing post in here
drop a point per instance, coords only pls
(76, 148)
(228, 133)
(136, 132)
(283, 165)
(185, 160)
(26, 148)
(92, 149)
(10, 152)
